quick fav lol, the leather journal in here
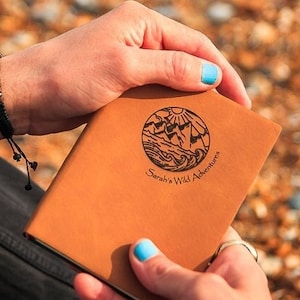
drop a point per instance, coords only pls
(156, 163)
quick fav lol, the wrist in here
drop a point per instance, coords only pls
(18, 86)
(13, 95)
(7, 129)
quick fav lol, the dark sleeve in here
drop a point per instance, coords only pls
(26, 270)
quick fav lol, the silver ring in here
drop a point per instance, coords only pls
(223, 246)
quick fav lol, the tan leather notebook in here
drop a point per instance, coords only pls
(157, 163)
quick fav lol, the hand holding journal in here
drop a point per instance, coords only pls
(156, 163)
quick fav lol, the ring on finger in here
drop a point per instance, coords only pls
(227, 244)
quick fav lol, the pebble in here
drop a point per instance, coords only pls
(169, 11)
(220, 12)
(294, 120)
(296, 137)
(286, 18)
(290, 233)
(281, 72)
(263, 33)
(259, 85)
(292, 261)
(88, 5)
(46, 12)
(259, 207)
(253, 5)
(248, 59)
(272, 265)
(294, 201)
(292, 217)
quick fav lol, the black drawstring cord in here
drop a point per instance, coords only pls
(7, 132)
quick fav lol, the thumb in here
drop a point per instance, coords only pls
(175, 69)
(162, 276)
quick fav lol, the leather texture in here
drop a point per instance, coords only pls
(157, 163)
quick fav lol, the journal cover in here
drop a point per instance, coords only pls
(157, 163)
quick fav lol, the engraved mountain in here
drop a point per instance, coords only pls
(175, 139)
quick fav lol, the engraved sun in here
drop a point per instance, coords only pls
(178, 115)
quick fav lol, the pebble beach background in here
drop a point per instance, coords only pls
(261, 38)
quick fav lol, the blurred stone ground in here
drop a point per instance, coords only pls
(261, 38)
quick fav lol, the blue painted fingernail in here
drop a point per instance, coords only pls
(209, 73)
(145, 250)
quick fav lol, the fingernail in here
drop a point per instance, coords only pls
(145, 250)
(209, 73)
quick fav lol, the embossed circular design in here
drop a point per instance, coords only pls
(175, 139)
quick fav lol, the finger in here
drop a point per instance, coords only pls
(175, 69)
(238, 267)
(167, 279)
(229, 254)
(155, 271)
(89, 288)
(176, 36)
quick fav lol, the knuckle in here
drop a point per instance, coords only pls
(178, 66)
(161, 270)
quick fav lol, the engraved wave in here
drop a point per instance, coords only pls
(169, 156)
(171, 161)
